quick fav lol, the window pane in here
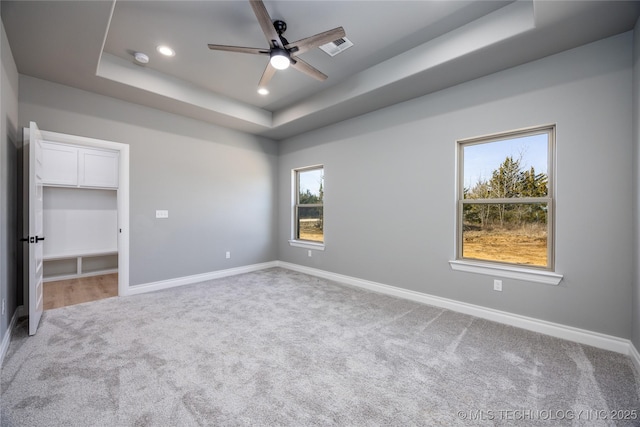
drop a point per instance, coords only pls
(515, 167)
(311, 186)
(513, 233)
(310, 224)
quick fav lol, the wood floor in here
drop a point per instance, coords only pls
(75, 291)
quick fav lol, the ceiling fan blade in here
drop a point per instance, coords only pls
(309, 43)
(239, 49)
(267, 75)
(300, 65)
(266, 23)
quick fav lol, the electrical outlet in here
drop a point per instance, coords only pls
(309, 252)
(497, 285)
(4, 308)
(228, 255)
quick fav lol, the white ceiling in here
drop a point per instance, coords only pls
(402, 49)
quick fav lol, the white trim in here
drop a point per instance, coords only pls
(635, 356)
(6, 340)
(307, 245)
(295, 184)
(528, 274)
(196, 278)
(505, 270)
(570, 333)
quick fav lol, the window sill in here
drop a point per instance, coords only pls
(531, 275)
(307, 245)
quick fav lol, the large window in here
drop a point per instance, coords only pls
(308, 206)
(505, 198)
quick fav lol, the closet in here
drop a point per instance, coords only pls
(80, 210)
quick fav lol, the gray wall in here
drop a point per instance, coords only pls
(218, 185)
(389, 187)
(9, 151)
(635, 337)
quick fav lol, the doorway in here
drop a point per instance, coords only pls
(111, 281)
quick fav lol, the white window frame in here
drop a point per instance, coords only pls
(295, 191)
(540, 274)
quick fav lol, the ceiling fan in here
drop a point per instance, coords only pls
(282, 53)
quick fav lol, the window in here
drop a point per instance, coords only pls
(505, 198)
(308, 205)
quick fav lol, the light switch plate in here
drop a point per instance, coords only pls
(162, 214)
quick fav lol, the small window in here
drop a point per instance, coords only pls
(308, 204)
(505, 198)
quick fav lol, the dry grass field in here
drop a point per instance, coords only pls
(310, 231)
(520, 246)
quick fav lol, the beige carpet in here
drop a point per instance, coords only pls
(276, 347)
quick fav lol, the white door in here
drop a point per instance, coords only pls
(35, 228)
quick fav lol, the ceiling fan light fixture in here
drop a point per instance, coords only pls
(280, 59)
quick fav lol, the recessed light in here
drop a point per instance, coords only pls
(165, 50)
(263, 91)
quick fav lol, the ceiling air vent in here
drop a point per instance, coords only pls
(337, 46)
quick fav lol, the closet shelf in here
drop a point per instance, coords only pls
(91, 253)
(71, 265)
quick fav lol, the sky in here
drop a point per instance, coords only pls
(480, 160)
(311, 180)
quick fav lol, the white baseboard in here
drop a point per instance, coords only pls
(582, 336)
(635, 356)
(6, 340)
(196, 278)
(570, 333)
